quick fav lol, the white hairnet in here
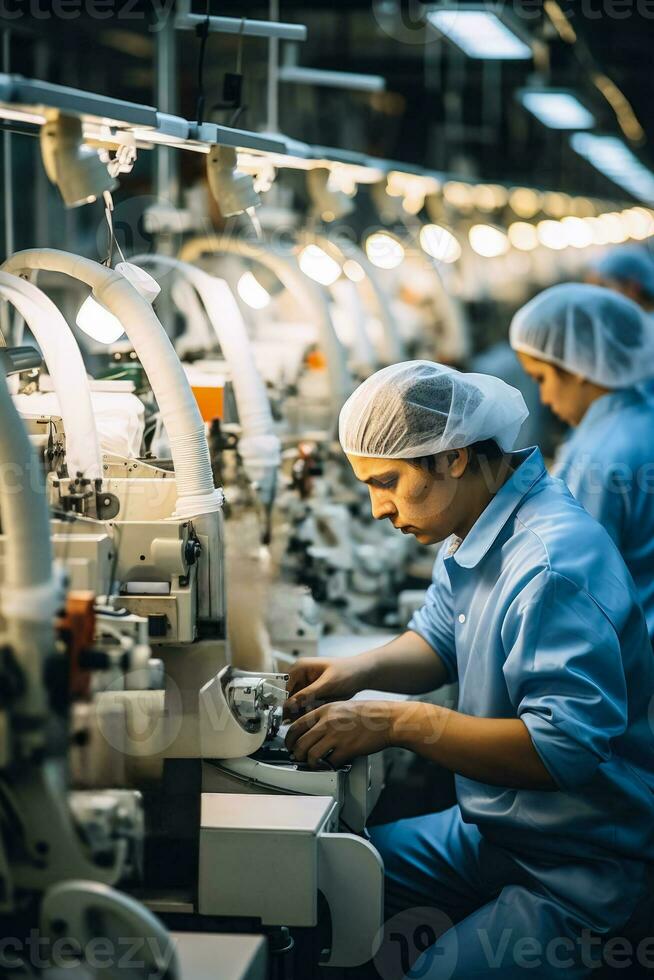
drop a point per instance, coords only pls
(588, 330)
(628, 263)
(419, 408)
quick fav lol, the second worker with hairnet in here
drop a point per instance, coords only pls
(533, 611)
(591, 352)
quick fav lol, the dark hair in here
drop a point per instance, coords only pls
(486, 450)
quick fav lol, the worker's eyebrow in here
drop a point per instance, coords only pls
(381, 477)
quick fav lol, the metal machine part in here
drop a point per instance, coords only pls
(13, 360)
(295, 835)
(239, 710)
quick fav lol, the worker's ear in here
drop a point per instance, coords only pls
(458, 461)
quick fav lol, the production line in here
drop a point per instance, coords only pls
(326, 535)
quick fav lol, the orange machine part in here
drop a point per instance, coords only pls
(78, 626)
(210, 401)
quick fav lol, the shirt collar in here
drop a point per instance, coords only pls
(530, 468)
(612, 401)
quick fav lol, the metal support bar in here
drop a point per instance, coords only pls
(300, 75)
(248, 28)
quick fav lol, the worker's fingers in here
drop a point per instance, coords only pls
(305, 749)
(305, 700)
(317, 755)
(298, 678)
(300, 727)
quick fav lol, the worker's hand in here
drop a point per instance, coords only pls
(337, 733)
(315, 680)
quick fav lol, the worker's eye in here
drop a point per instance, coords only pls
(387, 484)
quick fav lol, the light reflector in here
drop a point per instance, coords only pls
(558, 110)
(480, 34)
(614, 159)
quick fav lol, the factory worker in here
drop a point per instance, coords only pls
(628, 270)
(533, 611)
(591, 350)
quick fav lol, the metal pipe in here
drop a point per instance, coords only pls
(7, 162)
(354, 81)
(248, 28)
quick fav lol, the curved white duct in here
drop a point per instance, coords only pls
(29, 597)
(308, 293)
(259, 447)
(66, 368)
(393, 347)
(179, 411)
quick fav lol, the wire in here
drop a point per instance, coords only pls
(202, 31)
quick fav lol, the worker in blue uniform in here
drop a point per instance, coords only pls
(627, 269)
(591, 352)
(533, 611)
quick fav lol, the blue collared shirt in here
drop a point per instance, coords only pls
(537, 618)
(608, 464)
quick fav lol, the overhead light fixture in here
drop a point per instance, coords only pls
(318, 265)
(353, 270)
(439, 243)
(552, 235)
(525, 201)
(556, 108)
(523, 236)
(480, 31)
(577, 232)
(232, 189)
(97, 322)
(614, 159)
(488, 241)
(74, 168)
(328, 201)
(252, 292)
(384, 250)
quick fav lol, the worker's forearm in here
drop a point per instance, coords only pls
(406, 665)
(498, 751)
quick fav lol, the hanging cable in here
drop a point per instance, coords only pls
(202, 31)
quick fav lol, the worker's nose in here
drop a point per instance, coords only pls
(382, 508)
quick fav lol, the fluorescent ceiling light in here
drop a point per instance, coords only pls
(614, 159)
(479, 33)
(558, 110)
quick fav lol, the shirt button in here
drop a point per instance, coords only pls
(462, 617)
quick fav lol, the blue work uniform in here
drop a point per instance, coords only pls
(608, 464)
(537, 617)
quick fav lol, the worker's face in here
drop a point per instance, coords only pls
(427, 504)
(563, 392)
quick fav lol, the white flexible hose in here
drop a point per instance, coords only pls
(66, 368)
(393, 346)
(307, 292)
(259, 446)
(179, 410)
(29, 597)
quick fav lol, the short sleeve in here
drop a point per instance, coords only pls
(565, 676)
(434, 621)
